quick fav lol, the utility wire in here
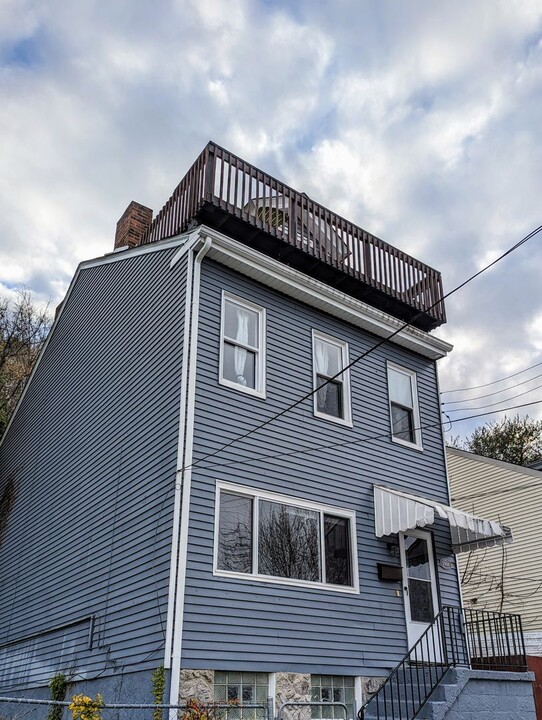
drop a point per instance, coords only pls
(493, 382)
(381, 342)
(362, 439)
(481, 407)
(497, 392)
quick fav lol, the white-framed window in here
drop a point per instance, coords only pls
(276, 538)
(242, 345)
(404, 409)
(331, 399)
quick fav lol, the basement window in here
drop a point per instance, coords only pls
(332, 688)
(241, 688)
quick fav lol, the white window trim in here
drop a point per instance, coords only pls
(257, 495)
(260, 390)
(415, 410)
(345, 379)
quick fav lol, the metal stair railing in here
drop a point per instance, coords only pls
(456, 637)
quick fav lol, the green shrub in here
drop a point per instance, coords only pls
(58, 685)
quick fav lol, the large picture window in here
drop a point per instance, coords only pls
(404, 412)
(272, 537)
(242, 345)
(332, 396)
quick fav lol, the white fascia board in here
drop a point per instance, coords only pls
(117, 256)
(289, 281)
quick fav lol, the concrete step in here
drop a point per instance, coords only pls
(408, 697)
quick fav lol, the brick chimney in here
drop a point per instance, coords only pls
(132, 225)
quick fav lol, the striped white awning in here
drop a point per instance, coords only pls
(397, 512)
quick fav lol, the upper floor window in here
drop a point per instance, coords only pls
(242, 345)
(269, 537)
(332, 396)
(404, 411)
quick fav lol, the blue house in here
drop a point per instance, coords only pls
(229, 461)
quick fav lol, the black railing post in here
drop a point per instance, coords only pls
(209, 165)
(522, 643)
(442, 641)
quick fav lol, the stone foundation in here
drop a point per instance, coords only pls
(369, 685)
(292, 687)
(289, 687)
(197, 684)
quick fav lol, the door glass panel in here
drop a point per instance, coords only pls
(417, 558)
(421, 602)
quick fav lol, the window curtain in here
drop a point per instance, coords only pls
(240, 354)
(323, 363)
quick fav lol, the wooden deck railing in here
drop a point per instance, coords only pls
(232, 185)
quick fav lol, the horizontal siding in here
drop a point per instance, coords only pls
(251, 625)
(92, 450)
(511, 495)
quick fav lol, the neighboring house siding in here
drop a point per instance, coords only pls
(92, 453)
(511, 495)
(251, 625)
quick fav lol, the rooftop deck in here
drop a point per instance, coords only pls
(230, 195)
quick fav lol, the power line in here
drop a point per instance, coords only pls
(381, 342)
(364, 439)
(497, 392)
(493, 382)
(481, 407)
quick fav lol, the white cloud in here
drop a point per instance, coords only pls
(418, 121)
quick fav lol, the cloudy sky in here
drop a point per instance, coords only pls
(419, 121)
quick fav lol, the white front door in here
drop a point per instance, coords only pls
(419, 587)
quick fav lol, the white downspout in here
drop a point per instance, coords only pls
(180, 456)
(184, 477)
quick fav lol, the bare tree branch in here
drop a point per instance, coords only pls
(23, 330)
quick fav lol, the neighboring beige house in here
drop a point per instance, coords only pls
(506, 578)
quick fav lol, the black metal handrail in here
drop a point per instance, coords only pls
(457, 636)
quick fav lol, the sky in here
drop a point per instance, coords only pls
(418, 121)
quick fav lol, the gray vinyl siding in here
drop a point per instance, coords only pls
(92, 450)
(233, 624)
